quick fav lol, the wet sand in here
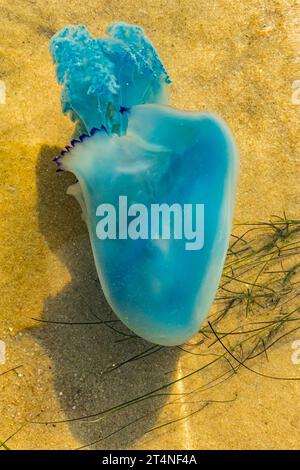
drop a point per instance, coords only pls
(238, 59)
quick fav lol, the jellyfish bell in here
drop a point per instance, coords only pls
(151, 154)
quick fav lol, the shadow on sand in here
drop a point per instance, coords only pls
(83, 355)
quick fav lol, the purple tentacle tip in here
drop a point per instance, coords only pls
(56, 160)
(94, 130)
(124, 109)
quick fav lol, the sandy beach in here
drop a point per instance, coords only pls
(238, 59)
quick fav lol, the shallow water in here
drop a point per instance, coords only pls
(239, 59)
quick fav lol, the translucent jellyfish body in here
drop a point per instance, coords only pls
(137, 154)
